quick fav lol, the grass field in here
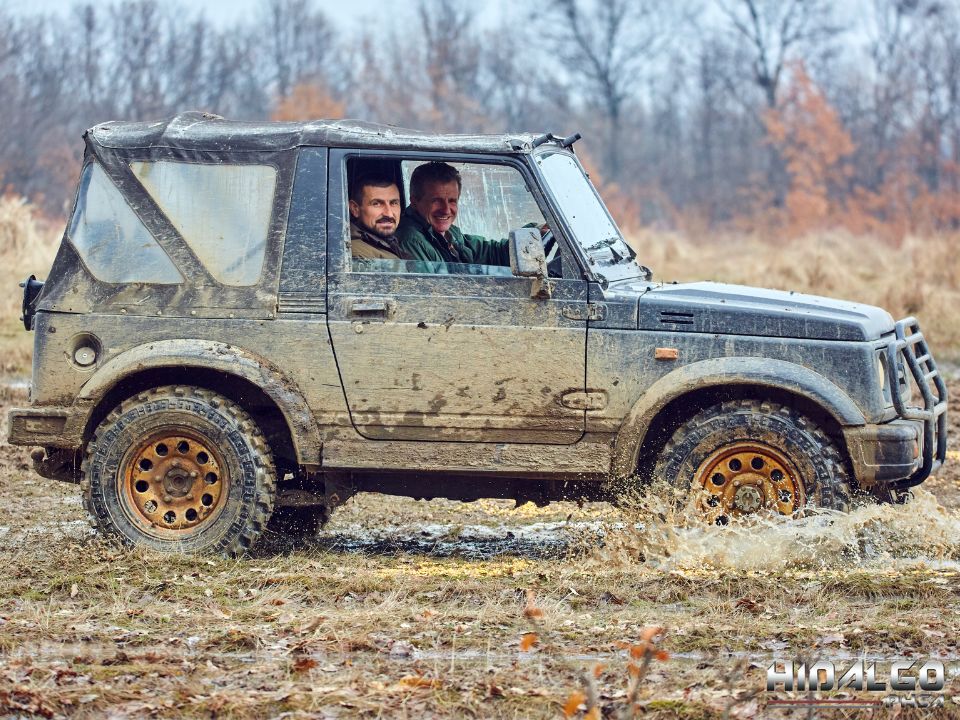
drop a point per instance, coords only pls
(420, 609)
(440, 609)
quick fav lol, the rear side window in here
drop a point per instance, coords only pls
(111, 240)
(221, 211)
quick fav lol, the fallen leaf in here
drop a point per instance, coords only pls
(528, 641)
(418, 681)
(531, 610)
(573, 703)
(303, 664)
(74, 590)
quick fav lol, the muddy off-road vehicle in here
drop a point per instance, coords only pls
(209, 358)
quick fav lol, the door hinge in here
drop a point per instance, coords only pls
(587, 311)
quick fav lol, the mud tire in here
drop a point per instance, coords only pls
(826, 478)
(298, 522)
(250, 490)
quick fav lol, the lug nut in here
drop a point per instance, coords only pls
(175, 463)
(193, 473)
(168, 498)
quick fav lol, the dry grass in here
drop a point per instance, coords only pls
(920, 278)
(28, 243)
(405, 609)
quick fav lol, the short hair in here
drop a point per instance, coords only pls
(369, 180)
(432, 172)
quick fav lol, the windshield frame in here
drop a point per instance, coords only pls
(641, 271)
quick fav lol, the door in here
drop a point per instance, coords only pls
(461, 355)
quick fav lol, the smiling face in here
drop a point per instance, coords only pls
(438, 204)
(378, 210)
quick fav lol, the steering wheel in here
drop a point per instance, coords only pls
(549, 245)
(551, 249)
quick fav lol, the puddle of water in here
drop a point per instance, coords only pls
(533, 540)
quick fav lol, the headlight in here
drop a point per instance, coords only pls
(905, 381)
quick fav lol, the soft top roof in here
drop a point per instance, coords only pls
(206, 132)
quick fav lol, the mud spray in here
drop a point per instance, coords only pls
(920, 532)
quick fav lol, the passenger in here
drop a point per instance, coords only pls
(426, 230)
(374, 216)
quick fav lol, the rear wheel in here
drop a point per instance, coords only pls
(179, 469)
(746, 457)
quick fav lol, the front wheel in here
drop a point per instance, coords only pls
(745, 457)
(182, 469)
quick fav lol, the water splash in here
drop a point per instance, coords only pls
(871, 536)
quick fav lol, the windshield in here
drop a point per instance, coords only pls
(609, 255)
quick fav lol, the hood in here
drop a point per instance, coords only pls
(707, 307)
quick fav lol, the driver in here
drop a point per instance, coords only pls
(426, 230)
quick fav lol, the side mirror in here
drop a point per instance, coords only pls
(528, 260)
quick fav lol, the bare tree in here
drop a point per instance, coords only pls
(776, 32)
(608, 46)
(296, 41)
(452, 58)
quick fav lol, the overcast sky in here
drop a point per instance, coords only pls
(344, 13)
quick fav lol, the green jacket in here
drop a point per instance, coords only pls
(419, 240)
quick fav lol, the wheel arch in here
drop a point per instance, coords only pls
(245, 378)
(684, 392)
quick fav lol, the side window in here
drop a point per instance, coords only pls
(444, 230)
(110, 238)
(221, 211)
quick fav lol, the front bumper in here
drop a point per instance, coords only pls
(885, 453)
(905, 452)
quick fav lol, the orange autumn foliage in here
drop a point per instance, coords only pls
(815, 147)
(307, 101)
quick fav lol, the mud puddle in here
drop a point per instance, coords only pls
(475, 542)
(921, 534)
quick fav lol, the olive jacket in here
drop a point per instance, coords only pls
(418, 239)
(368, 246)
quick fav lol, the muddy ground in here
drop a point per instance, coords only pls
(425, 609)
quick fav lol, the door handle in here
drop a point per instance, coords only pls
(373, 307)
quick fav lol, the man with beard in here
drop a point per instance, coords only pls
(374, 215)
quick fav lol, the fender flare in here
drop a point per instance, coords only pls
(221, 357)
(719, 372)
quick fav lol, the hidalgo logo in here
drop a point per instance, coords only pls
(920, 681)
